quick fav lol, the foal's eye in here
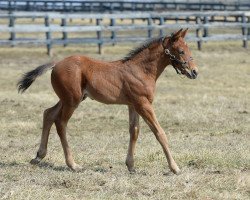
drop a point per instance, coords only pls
(181, 52)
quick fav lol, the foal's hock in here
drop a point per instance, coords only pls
(129, 81)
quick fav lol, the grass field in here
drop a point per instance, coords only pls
(207, 121)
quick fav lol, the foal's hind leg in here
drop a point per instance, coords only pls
(49, 117)
(61, 125)
(134, 131)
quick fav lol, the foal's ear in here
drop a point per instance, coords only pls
(184, 33)
(175, 36)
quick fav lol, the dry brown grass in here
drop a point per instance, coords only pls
(207, 121)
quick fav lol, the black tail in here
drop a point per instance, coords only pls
(29, 77)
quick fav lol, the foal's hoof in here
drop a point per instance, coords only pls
(176, 171)
(76, 168)
(132, 171)
(35, 161)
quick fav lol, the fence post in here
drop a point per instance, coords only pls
(206, 21)
(99, 37)
(121, 6)
(248, 30)
(27, 6)
(113, 33)
(64, 34)
(48, 35)
(12, 33)
(161, 23)
(91, 7)
(225, 18)
(10, 8)
(149, 27)
(244, 30)
(199, 42)
(111, 7)
(45, 5)
(133, 5)
(64, 6)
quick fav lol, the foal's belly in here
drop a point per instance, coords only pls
(106, 89)
(104, 96)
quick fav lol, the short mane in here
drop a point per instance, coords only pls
(143, 46)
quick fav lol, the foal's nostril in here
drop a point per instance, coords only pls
(194, 72)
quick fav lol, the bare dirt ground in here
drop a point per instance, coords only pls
(207, 121)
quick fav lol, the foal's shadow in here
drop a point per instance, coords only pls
(10, 164)
(43, 165)
(47, 165)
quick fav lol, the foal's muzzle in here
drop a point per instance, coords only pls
(192, 74)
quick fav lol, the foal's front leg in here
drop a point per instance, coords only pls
(134, 131)
(147, 112)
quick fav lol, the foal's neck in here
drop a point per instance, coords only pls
(152, 60)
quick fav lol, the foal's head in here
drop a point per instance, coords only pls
(180, 56)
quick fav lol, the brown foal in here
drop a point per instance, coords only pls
(130, 81)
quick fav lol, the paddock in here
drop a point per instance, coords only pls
(207, 121)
